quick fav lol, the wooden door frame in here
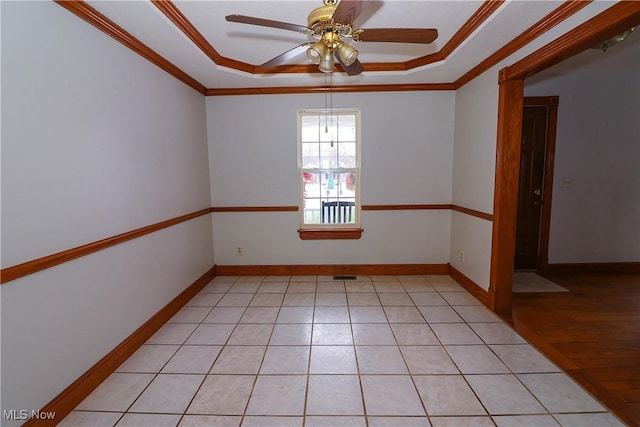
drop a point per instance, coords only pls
(616, 19)
(551, 102)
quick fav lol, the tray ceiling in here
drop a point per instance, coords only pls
(195, 37)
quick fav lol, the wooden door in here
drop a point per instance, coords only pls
(531, 187)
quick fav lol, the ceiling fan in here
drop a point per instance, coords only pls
(330, 24)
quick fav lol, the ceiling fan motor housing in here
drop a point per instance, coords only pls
(320, 15)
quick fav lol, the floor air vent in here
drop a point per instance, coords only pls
(345, 277)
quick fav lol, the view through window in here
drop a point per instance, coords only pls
(329, 168)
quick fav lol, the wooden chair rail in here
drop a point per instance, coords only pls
(24, 269)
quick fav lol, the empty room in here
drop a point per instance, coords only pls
(320, 213)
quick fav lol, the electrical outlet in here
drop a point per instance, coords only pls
(461, 256)
(239, 250)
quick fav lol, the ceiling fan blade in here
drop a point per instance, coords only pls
(348, 10)
(351, 70)
(286, 57)
(398, 35)
(266, 23)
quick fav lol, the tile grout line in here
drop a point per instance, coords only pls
(356, 358)
(246, 407)
(411, 375)
(214, 360)
(308, 376)
(217, 356)
(485, 343)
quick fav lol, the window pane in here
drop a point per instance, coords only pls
(311, 185)
(312, 211)
(328, 155)
(310, 155)
(348, 186)
(310, 128)
(328, 128)
(347, 128)
(331, 188)
(347, 154)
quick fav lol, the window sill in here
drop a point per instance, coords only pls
(330, 234)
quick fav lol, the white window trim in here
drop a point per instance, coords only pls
(357, 170)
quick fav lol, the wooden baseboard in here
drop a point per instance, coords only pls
(71, 397)
(330, 270)
(590, 268)
(471, 286)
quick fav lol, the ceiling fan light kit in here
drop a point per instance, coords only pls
(321, 25)
(330, 24)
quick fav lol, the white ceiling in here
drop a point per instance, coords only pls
(255, 44)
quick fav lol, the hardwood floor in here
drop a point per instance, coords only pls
(592, 332)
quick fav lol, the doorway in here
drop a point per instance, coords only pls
(614, 20)
(539, 121)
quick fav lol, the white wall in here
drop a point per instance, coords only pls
(475, 154)
(473, 177)
(96, 141)
(407, 151)
(595, 211)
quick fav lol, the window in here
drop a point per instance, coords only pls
(329, 169)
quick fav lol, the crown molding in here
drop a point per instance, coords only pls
(487, 9)
(614, 20)
(329, 89)
(170, 10)
(558, 15)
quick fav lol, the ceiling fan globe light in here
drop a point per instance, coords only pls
(348, 54)
(326, 63)
(316, 51)
(313, 55)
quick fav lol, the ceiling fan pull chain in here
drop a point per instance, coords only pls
(326, 107)
(331, 105)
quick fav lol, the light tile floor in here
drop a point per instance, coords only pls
(312, 351)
